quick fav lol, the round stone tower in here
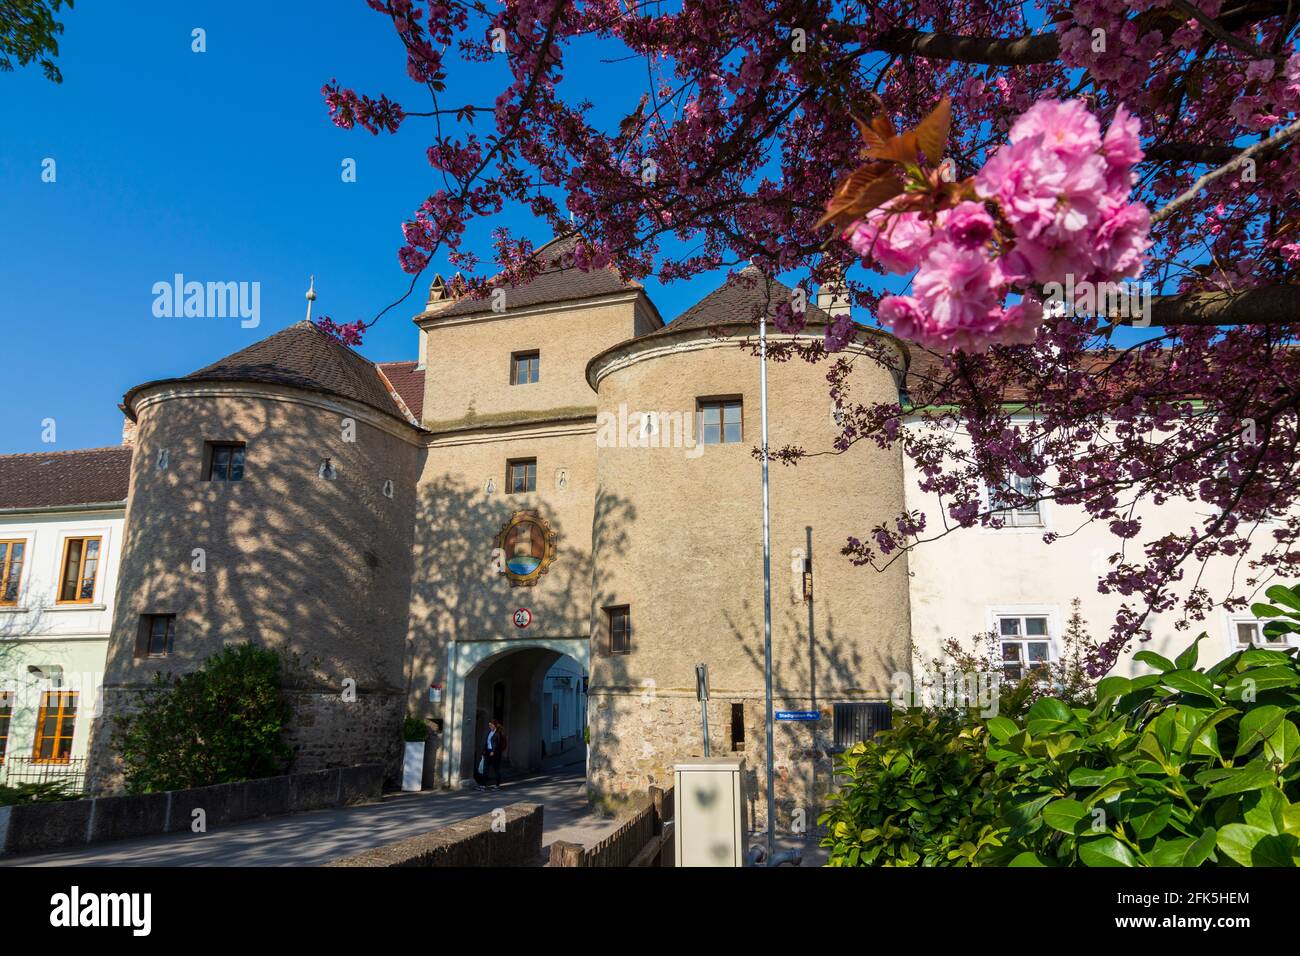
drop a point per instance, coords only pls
(272, 501)
(678, 425)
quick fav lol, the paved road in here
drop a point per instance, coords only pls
(310, 839)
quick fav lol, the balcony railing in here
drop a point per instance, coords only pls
(71, 773)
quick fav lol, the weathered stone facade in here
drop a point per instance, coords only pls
(399, 591)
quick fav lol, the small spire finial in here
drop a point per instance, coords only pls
(311, 296)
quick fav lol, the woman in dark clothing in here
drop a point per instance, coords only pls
(494, 747)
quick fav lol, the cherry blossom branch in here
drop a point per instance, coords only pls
(1183, 199)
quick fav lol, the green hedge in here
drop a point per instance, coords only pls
(1184, 767)
(222, 723)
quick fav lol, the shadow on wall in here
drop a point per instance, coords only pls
(315, 567)
(457, 592)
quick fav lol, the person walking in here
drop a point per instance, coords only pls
(494, 748)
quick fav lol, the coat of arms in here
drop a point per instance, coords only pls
(527, 542)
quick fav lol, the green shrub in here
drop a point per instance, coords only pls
(12, 796)
(415, 730)
(223, 722)
(1180, 768)
(1184, 767)
(916, 795)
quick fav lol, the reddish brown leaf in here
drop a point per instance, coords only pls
(932, 132)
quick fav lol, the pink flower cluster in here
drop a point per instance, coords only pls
(1053, 202)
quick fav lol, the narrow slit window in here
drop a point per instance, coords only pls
(620, 629)
(737, 727)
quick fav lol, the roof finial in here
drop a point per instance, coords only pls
(311, 296)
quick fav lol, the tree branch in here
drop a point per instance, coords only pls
(1175, 204)
(992, 51)
(1265, 305)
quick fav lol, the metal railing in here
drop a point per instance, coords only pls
(71, 773)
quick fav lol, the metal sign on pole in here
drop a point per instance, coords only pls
(702, 694)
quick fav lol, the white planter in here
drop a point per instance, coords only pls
(413, 765)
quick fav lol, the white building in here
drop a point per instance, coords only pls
(1008, 581)
(61, 523)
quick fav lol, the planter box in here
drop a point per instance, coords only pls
(413, 765)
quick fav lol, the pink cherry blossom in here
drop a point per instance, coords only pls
(895, 240)
(968, 225)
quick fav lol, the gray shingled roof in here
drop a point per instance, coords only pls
(739, 301)
(301, 356)
(56, 479)
(554, 284)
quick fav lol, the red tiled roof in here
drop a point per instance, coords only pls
(56, 479)
(408, 381)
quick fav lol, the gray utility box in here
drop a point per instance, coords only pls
(710, 826)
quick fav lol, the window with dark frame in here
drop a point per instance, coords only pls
(225, 461)
(719, 421)
(55, 725)
(858, 721)
(524, 367)
(11, 569)
(737, 727)
(155, 636)
(521, 475)
(79, 570)
(6, 714)
(620, 629)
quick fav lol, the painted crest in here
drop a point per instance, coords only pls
(527, 542)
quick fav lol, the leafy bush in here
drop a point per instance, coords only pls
(50, 792)
(1184, 767)
(918, 794)
(223, 722)
(1180, 768)
(415, 730)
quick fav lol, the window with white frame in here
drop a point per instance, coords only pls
(1015, 503)
(1025, 644)
(1248, 632)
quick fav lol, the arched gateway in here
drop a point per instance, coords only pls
(535, 686)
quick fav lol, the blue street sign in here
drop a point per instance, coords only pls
(798, 715)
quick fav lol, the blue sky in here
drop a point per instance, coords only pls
(222, 166)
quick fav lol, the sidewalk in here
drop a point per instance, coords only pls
(310, 839)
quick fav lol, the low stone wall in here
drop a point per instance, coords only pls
(642, 839)
(511, 836)
(35, 827)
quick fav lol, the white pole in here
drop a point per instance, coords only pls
(767, 596)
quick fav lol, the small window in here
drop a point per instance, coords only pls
(521, 475)
(1251, 634)
(1015, 502)
(1025, 645)
(857, 721)
(6, 713)
(11, 569)
(524, 367)
(719, 421)
(620, 629)
(80, 567)
(225, 461)
(737, 727)
(155, 636)
(55, 725)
